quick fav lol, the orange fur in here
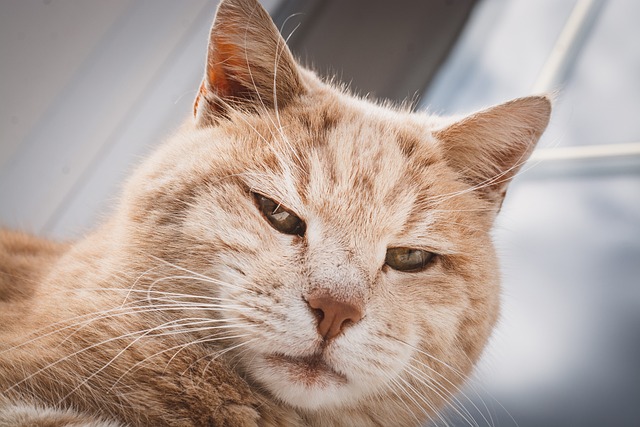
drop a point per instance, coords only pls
(187, 308)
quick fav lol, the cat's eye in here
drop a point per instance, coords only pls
(407, 259)
(279, 217)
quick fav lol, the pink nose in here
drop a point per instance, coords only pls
(333, 315)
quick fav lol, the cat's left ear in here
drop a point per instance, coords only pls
(489, 147)
(249, 65)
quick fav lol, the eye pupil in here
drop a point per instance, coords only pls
(279, 217)
(407, 259)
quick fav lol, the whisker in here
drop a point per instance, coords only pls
(199, 277)
(179, 348)
(259, 96)
(443, 393)
(413, 347)
(119, 312)
(144, 332)
(128, 346)
(404, 390)
(133, 285)
(424, 399)
(278, 55)
(228, 349)
(460, 391)
(394, 386)
(461, 376)
(499, 178)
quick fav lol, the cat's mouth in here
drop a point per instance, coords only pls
(309, 370)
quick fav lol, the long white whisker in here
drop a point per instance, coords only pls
(228, 349)
(457, 390)
(443, 393)
(460, 375)
(394, 386)
(257, 91)
(496, 179)
(423, 399)
(201, 276)
(177, 347)
(86, 319)
(133, 285)
(404, 390)
(145, 333)
(278, 55)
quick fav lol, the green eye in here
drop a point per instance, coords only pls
(406, 259)
(279, 217)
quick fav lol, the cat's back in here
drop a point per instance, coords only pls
(24, 261)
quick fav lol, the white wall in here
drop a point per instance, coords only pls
(87, 88)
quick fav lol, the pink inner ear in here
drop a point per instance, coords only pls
(225, 63)
(246, 53)
(225, 73)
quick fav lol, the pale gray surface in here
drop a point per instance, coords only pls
(88, 87)
(128, 76)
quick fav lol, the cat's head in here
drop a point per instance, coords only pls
(344, 245)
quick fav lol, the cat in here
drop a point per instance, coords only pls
(293, 255)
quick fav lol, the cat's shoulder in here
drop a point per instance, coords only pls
(23, 260)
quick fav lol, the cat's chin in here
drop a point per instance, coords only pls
(305, 382)
(307, 370)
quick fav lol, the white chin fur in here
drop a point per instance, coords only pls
(321, 391)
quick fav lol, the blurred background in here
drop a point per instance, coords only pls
(88, 88)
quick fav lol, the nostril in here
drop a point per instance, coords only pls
(346, 323)
(318, 313)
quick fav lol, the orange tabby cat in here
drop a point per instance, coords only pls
(293, 255)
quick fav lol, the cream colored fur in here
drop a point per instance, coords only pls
(187, 308)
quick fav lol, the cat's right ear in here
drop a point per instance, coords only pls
(249, 65)
(488, 148)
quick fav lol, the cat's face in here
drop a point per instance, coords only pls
(345, 244)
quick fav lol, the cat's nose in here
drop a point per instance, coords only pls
(333, 315)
